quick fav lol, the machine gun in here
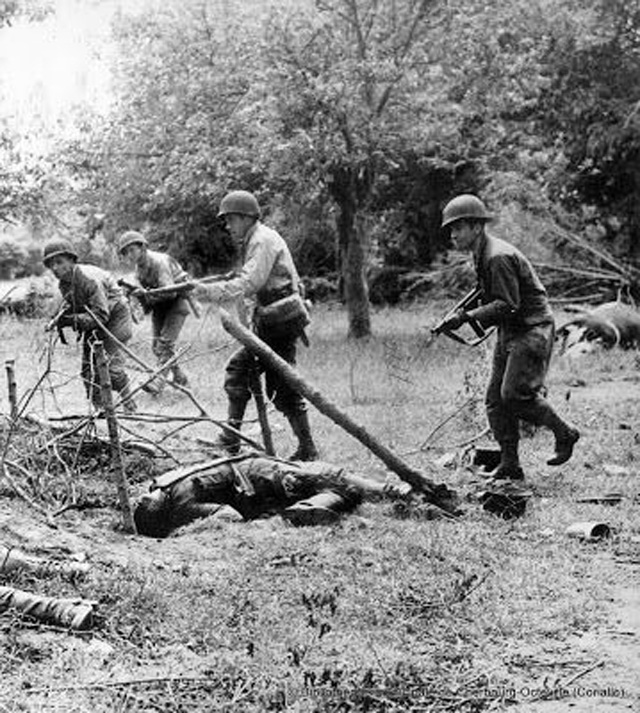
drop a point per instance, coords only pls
(469, 301)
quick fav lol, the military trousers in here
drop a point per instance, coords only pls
(516, 386)
(167, 320)
(120, 326)
(243, 366)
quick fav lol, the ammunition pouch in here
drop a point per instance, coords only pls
(287, 316)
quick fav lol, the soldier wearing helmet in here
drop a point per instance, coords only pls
(92, 300)
(269, 279)
(514, 300)
(168, 312)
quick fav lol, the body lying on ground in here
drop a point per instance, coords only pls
(256, 486)
(612, 324)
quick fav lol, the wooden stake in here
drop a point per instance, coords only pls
(116, 451)
(13, 390)
(255, 385)
(438, 494)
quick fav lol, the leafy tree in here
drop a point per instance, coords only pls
(350, 96)
(22, 176)
(175, 141)
(593, 104)
(12, 257)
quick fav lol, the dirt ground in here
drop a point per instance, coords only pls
(603, 661)
(616, 645)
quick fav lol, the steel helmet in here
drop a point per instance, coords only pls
(241, 202)
(131, 237)
(151, 516)
(58, 247)
(464, 206)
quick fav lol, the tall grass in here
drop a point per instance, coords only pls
(374, 614)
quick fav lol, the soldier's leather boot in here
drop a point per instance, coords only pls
(541, 413)
(324, 508)
(509, 467)
(230, 442)
(155, 387)
(179, 377)
(306, 449)
(566, 439)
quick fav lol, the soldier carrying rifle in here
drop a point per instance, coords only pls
(269, 279)
(91, 298)
(169, 310)
(514, 300)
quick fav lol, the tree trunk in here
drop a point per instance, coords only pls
(353, 253)
(355, 282)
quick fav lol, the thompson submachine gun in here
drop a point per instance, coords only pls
(469, 301)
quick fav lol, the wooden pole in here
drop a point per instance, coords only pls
(116, 451)
(436, 493)
(13, 390)
(255, 384)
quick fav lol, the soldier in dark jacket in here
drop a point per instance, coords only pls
(515, 301)
(269, 280)
(255, 486)
(168, 312)
(91, 298)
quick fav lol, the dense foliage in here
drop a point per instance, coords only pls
(354, 120)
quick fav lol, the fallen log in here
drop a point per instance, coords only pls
(437, 494)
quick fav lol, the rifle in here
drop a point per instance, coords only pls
(180, 287)
(54, 322)
(171, 477)
(128, 287)
(470, 300)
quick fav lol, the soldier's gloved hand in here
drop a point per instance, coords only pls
(455, 321)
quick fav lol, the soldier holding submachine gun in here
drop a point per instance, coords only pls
(511, 298)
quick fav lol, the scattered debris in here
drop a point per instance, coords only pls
(12, 559)
(612, 324)
(606, 499)
(71, 613)
(415, 510)
(589, 531)
(613, 469)
(486, 458)
(504, 498)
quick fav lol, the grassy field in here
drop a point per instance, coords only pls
(377, 613)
